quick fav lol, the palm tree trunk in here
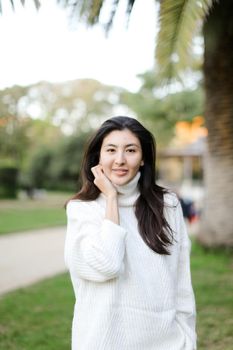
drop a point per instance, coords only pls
(217, 219)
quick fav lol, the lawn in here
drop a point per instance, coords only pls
(39, 317)
(212, 273)
(25, 214)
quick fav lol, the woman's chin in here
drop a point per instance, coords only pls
(120, 181)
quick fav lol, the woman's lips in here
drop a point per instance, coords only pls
(120, 172)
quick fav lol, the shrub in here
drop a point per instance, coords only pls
(8, 182)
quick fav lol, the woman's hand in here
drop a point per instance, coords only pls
(108, 189)
(102, 182)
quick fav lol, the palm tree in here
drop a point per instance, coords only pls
(217, 28)
(179, 20)
(218, 72)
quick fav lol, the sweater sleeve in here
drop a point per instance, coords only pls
(94, 250)
(185, 301)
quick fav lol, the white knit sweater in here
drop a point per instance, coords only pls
(127, 296)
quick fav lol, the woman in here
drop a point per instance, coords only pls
(127, 249)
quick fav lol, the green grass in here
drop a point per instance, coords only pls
(39, 317)
(26, 214)
(213, 287)
(20, 219)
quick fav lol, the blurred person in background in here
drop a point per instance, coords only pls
(127, 249)
(189, 209)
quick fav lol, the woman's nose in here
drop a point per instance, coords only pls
(120, 158)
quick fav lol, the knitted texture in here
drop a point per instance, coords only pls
(127, 296)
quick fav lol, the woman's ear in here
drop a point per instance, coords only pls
(142, 163)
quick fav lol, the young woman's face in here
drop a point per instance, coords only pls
(121, 156)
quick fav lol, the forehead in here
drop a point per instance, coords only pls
(119, 137)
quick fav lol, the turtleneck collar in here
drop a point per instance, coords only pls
(130, 187)
(127, 194)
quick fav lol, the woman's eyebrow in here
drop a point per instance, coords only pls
(110, 145)
(128, 145)
(132, 144)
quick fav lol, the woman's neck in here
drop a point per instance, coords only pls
(130, 187)
(128, 193)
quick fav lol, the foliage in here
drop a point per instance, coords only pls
(72, 106)
(57, 166)
(66, 163)
(19, 133)
(160, 114)
(8, 182)
(180, 21)
(43, 128)
(12, 2)
(39, 167)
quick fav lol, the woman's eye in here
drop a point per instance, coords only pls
(131, 150)
(110, 150)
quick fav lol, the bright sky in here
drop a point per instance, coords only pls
(42, 45)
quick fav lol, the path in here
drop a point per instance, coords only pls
(28, 257)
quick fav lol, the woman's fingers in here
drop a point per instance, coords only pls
(97, 170)
(101, 180)
(94, 170)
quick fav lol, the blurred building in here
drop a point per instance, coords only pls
(180, 165)
(184, 163)
(183, 159)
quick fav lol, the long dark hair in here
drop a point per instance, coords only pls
(152, 224)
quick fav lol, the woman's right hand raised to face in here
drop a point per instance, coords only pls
(102, 182)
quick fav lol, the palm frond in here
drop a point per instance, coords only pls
(130, 6)
(89, 11)
(37, 3)
(95, 11)
(129, 9)
(12, 2)
(112, 15)
(179, 21)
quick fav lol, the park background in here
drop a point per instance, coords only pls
(53, 97)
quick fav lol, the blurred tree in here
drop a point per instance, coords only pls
(8, 181)
(66, 163)
(39, 168)
(44, 111)
(13, 140)
(57, 165)
(160, 113)
(73, 105)
(35, 118)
